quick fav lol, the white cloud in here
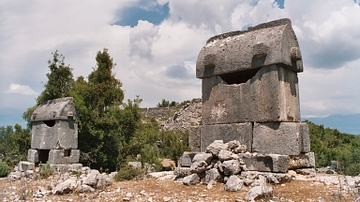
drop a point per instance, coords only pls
(20, 89)
(327, 32)
(158, 62)
(326, 92)
(141, 39)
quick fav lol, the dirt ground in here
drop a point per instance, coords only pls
(150, 189)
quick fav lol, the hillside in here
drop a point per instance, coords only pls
(327, 144)
(344, 123)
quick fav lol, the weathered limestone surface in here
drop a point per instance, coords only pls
(195, 139)
(59, 157)
(33, 155)
(279, 138)
(305, 160)
(266, 162)
(227, 132)
(305, 137)
(24, 166)
(236, 51)
(271, 95)
(186, 159)
(63, 134)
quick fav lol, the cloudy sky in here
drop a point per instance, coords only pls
(155, 44)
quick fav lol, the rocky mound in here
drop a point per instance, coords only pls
(189, 115)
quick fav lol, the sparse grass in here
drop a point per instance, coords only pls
(46, 170)
(128, 173)
(4, 169)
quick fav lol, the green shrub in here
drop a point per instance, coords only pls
(128, 172)
(4, 169)
(46, 170)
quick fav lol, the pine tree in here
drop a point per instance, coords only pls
(59, 84)
(98, 104)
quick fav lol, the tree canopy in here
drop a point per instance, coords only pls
(59, 84)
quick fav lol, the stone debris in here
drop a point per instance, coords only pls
(258, 192)
(234, 183)
(220, 164)
(88, 181)
(189, 115)
(191, 179)
(257, 187)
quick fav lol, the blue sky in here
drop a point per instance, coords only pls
(155, 45)
(129, 16)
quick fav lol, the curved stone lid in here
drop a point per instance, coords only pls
(265, 44)
(57, 109)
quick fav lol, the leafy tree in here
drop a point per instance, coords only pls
(59, 84)
(60, 79)
(174, 143)
(164, 103)
(331, 145)
(98, 103)
(14, 143)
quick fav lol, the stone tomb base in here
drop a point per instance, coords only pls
(261, 162)
(284, 138)
(54, 156)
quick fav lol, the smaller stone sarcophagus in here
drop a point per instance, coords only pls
(54, 133)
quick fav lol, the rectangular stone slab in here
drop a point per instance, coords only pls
(58, 157)
(305, 137)
(226, 132)
(33, 156)
(278, 138)
(306, 160)
(274, 41)
(25, 165)
(271, 95)
(46, 137)
(266, 163)
(195, 139)
(186, 159)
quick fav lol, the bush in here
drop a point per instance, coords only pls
(4, 169)
(128, 172)
(46, 170)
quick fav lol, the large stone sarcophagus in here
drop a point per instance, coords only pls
(250, 93)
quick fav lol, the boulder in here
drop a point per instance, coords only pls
(258, 192)
(14, 176)
(225, 155)
(191, 179)
(181, 172)
(231, 167)
(202, 157)
(65, 187)
(103, 181)
(198, 167)
(234, 183)
(212, 175)
(91, 178)
(186, 159)
(215, 147)
(85, 188)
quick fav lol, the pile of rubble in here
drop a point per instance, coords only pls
(230, 163)
(81, 179)
(189, 115)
